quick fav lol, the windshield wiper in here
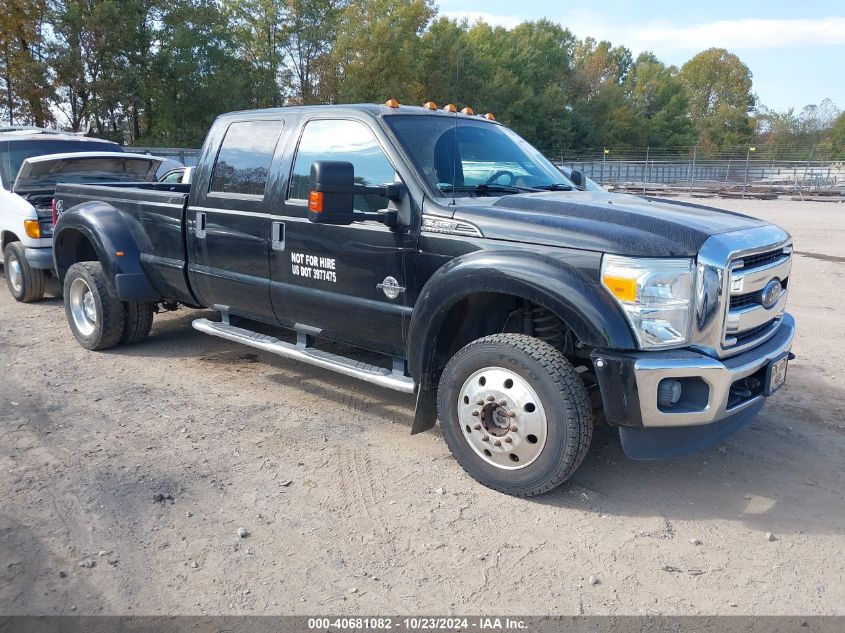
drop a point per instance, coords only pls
(487, 189)
(558, 186)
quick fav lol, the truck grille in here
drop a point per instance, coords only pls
(750, 319)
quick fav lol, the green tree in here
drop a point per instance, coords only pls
(658, 101)
(309, 31)
(836, 138)
(197, 75)
(377, 48)
(718, 87)
(23, 65)
(258, 28)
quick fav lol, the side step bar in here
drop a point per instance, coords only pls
(302, 352)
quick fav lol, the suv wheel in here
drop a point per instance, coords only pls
(25, 282)
(96, 317)
(515, 414)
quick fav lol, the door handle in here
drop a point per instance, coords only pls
(277, 236)
(199, 227)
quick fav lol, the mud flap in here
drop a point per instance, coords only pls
(645, 443)
(425, 414)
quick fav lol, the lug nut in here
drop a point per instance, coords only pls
(477, 427)
(486, 438)
(513, 428)
(480, 403)
(497, 443)
(491, 398)
(508, 439)
(476, 413)
(503, 403)
(511, 414)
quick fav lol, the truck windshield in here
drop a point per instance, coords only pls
(459, 156)
(14, 152)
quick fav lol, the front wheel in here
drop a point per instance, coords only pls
(25, 282)
(96, 317)
(515, 414)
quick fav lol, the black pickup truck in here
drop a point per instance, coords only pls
(436, 252)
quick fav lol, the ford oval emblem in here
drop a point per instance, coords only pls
(771, 293)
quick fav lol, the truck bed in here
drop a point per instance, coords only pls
(155, 213)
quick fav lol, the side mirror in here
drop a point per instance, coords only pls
(332, 191)
(578, 179)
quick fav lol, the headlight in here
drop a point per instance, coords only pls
(656, 296)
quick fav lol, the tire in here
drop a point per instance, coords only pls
(96, 317)
(25, 282)
(533, 405)
(138, 321)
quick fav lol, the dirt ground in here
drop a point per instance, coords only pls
(346, 513)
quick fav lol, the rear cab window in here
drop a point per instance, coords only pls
(243, 162)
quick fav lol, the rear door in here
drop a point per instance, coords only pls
(347, 283)
(229, 221)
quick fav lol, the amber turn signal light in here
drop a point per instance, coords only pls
(622, 288)
(32, 228)
(315, 201)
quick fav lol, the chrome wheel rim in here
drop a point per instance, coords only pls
(15, 274)
(502, 418)
(83, 309)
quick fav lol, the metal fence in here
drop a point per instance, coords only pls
(716, 175)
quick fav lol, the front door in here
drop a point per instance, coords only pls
(345, 283)
(230, 222)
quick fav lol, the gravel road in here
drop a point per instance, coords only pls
(189, 475)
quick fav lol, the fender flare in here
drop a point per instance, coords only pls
(586, 308)
(110, 231)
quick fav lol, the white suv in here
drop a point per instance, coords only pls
(32, 162)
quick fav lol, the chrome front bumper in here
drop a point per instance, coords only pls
(719, 376)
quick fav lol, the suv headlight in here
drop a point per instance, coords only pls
(656, 296)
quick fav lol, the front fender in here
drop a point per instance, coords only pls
(110, 232)
(585, 307)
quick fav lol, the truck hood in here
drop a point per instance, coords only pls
(600, 221)
(41, 174)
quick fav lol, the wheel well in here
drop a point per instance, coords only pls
(482, 314)
(8, 238)
(73, 247)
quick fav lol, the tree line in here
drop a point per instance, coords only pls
(156, 72)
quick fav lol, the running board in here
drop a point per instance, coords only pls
(374, 374)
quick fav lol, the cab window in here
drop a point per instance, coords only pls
(243, 162)
(350, 141)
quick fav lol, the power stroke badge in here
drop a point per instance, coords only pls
(390, 287)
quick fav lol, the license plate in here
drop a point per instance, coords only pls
(777, 375)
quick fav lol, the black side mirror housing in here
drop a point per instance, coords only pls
(578, 179)
(330, 197)
(332, 191)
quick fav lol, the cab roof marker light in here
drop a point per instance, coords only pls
(468, 111)
(450, 107)
(490, 116)
(391, 103)
(430, 105)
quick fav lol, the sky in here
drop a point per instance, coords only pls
(795, 50)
